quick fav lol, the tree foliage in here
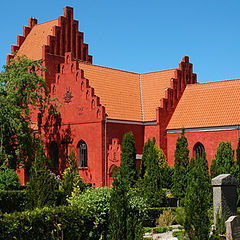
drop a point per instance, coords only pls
(42, 185)
(224, 160)
(125, 223)
(180, 167)
(21, 91)
(125, 220)
(197, 199)
(128, 167)
(72, 180)
(9, 179)
(154, 162)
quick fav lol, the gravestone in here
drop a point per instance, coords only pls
(233, 228)
(224, 196)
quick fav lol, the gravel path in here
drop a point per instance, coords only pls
(166, 235)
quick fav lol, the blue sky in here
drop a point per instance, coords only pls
(143, 35)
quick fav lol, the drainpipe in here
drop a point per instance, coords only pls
(105, 151)
(238, 134)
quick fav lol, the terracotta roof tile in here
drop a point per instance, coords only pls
(153, 89)
(208, 104)
(118, 90)
(32, 46)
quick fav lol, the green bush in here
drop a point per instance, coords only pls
(180, 215)
(178, 233)
(97, 199)
(9, 179)
(17, 201)
(166, 218)
(12, 201)
(66, 222)
(153, 214)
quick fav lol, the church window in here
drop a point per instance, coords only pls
(82, 154)
(54, 155)
(198, 149)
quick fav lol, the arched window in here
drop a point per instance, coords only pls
(82, 154)
(54, 155)
(198, 149)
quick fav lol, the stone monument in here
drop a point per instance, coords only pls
(233, 228)
(224, 196)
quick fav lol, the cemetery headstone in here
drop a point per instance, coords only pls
(233, 228)
(224, 196)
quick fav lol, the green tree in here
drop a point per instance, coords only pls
(128, 167)
(180, 167)
(197, 199)
(42, 185)
(125, 223)
(71, 177)
(151, 184)
(165, 169)
(125, 220)
(224, 160)
(21, 91)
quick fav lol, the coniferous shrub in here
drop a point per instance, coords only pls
(71, 177)
(151, 183)
(125, 222)
(42, 186)
(224, 160)
(125, 217)
(197, 199)
(181, 161)
(128, 167)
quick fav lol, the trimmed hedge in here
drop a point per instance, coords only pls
(65, 222)
(16, 200)
(12, 201)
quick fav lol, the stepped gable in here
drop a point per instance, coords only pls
(118, 90)
(121, 91)
(77, 96)
(207, 105)
(153, 85)
(55, 37)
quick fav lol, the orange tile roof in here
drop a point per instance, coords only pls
(120, 94)
(119, 91)
(32, 46)
(153, 89)
(208, 104)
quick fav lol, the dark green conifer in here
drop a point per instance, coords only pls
(128, 167)
(42, 186)
(124, 223)
(152, 178)
(224, 160)
(180, 167)
(197, 199)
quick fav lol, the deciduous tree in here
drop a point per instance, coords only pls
(21, 91)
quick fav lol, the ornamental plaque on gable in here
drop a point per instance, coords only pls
(114, 152)
(68, 95)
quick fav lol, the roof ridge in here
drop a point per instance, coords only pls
(45, 22)
(165, 70)
(214, 82)
(108, 67)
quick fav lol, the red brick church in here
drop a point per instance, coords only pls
(101, 104)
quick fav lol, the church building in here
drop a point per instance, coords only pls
(100, 104)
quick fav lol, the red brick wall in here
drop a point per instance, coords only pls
(210, 141)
